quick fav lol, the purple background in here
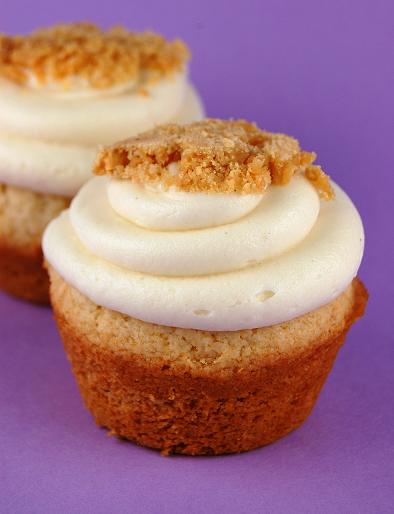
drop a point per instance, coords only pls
(319, 71)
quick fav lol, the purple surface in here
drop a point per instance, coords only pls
(317, 70)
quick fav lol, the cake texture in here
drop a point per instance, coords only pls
(203, 284)
(197, 392)
(64, 90)
(24, 215)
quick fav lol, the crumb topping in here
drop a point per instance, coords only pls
(103, 58)
(212, 156)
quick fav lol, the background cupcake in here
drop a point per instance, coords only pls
(203, 291)
(64, 90)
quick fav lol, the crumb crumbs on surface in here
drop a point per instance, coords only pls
(103, 58)
(215, 156)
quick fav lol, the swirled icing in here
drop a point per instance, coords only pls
(291, 254)
(48, 143)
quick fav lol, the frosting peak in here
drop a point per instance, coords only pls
(155, 209)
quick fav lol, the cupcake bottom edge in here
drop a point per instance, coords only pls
(210, 409)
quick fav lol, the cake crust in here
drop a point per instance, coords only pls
(196, 392)
(22, 273)
(213, 156)
(24, 215)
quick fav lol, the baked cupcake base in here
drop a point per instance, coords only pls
(196, 392)
(24, 215)
(22, 274)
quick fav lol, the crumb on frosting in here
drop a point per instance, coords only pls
(221, 156)
(103, 58)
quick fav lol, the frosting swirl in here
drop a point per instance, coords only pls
(281, 219)
(89, 121)
(289, 254)
(48, 142)
(156, 209)
(77, 88)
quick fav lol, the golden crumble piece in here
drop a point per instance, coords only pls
(103, 58)
(220, 156)
(321, 181)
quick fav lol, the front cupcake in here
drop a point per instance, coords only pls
(63, 91)
(204, 285)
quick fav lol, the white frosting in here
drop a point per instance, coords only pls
(75, 87)
(89, 121)
(45, 167)
(291, 270)
(283, 218)
(176, 210)
(191, 109)
(58, 167)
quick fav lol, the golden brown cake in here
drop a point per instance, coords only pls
(63, 91)
(198, 318)
(24, 215)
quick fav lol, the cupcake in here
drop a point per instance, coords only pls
(63, 91)
(203, 284)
